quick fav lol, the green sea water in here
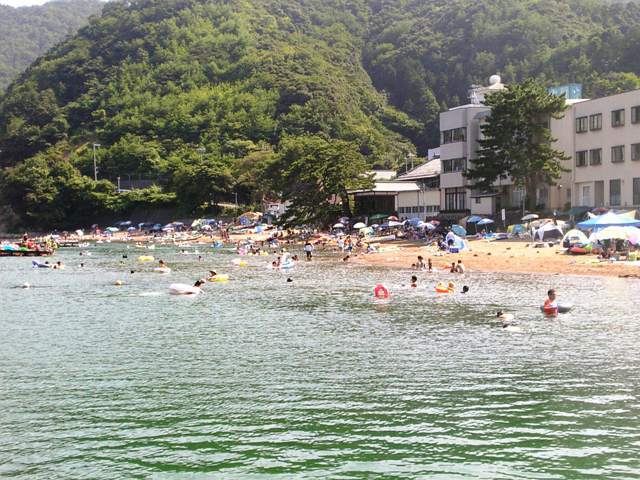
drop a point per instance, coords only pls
(260, 378)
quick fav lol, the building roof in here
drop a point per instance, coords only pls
(390, 187)
(427, 170)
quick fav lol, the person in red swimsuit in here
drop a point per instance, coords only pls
(550, 306)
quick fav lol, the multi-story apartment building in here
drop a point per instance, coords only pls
(459, 134)
(606, 151)
(601, 137)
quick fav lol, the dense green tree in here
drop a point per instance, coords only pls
(517, 141)
(201, 180)
(315, 174)
(28, 32)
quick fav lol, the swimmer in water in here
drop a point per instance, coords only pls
(212, 274)
(81, 265)
(507, 321)
(198, 283)
(414, 281)
(550, 306)
(289, 280)
(465, 289)
(161, 264)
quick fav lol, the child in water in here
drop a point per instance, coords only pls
(550, 306)
(414, 281)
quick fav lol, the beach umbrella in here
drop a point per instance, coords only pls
(429, 226)
(485, 221)
(459, 230)
(375, 225)
(608, 220)
(112, 229)
(529, 217)
(617, 233)
(393, 223)
(131, 229)
(359, 225)
(474, 219)
(413, 222)
(338, 225)
(393, 217)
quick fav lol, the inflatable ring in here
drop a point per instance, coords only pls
(145, 258)
(380, 291)
(442, 288)
(162, 270)
(219, 278)
(562, 308)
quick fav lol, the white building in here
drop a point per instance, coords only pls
(606, 151)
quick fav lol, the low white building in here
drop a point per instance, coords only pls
(425, 202)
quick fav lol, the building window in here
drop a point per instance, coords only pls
(595, 156)
(454, 135)
(595, 121)
(581, 124)
(614, 192)
(581, 159)
(635, 114)
(635, 151)
(455, 198)
(636, 191)
(617, 154)
(478, 200)
(569, 195)
(586, 195)
(617, 118)
(454, 165)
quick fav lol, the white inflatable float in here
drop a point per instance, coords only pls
(184, 289)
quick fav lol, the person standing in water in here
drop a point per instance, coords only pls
(414, 281)
(550, 306)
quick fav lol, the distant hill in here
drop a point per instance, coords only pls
(28, 32)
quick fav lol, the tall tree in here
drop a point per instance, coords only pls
(517, 142)
(315, 174)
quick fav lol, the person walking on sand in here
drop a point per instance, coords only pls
(420, 264)
(429, 265)
(308, 250)
(460, 267)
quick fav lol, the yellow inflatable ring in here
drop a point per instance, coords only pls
(219, 278)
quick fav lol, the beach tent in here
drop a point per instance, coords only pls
(548, 231)
(458, 243)
(574, 236)
(608, 220)
(517, 228)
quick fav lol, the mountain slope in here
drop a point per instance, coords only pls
(28, 32)
(197, 95)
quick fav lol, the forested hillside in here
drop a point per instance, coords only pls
(28, 32)
(198, 96)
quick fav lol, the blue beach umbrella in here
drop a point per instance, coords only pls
(458, 230)
(485, 221)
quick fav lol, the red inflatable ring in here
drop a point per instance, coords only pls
(380, 291)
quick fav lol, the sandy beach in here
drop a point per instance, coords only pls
(502, 256)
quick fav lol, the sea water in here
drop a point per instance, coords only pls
(260, 377)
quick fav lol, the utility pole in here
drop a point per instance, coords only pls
(95, 164)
